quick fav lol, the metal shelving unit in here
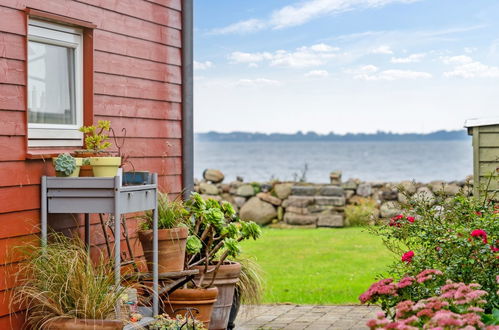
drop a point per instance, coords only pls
(103, 195)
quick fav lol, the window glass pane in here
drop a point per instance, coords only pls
(51, 98)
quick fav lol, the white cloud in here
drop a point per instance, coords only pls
(382, 50)
(302, 12)
(317, 73)
(371, 72)
(248, 26)
(202, 65)
(258, 82)
(466, 67)
(301, 57)
(413, 58)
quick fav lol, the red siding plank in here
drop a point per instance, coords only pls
(170, 184)
(138, 88)
(12, 72)
(25, 173)
(12, 123)
(132, 67)
(141, 9)
(12, 46)
(10, 251)
(19, 198)
(14, 321)
(19, 223)
(8, 273)
(175, 4)
(12, 97)
(146, 127)
(121, 44)
(162, 166)
(136, 108)
(12, 21)
(144, 148)
(12, 148)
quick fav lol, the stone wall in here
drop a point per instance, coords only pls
(317, 205)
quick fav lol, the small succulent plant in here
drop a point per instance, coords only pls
(65, 163)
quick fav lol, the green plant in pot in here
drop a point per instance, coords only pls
(67, 165)
(61, 288)
(215, 234)
(96, 143)
(172, 234)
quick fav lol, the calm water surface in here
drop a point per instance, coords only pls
(370, 161)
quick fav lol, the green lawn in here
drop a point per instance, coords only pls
(318, 266)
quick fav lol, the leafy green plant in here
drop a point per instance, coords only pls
(360, 214)
(96, 136)
(65, 164)
(171, 214)
(164, 322)
(459, 236)
(60, 281)
(215, 233)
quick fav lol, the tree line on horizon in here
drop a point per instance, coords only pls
(313, 136)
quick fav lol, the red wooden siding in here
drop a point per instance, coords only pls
(137, 85)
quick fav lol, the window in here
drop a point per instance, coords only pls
(55, 85)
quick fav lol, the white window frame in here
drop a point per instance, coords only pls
(52, 135)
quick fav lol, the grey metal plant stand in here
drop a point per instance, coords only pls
(102, 195)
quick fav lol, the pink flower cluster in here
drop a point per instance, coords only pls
(384, 287)
(399, 220)
(427, 274)
(435, 312)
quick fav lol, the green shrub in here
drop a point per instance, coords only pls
(361, 213)
(171, 214)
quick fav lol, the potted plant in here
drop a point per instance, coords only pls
(95, 144)
(172, 235)
(61, 288)
(215, 234)
(164, 322)
(67, 165)
(86, 169)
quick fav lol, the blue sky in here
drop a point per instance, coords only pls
(345, 65)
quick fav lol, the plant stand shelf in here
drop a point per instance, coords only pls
(102, 195)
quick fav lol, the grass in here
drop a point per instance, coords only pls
(318, 266)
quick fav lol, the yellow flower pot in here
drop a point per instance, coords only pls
(105, 166)
(76, 172)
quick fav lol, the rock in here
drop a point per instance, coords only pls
(298, 210)
(408, 186)
(389, 210)
(330, 220)
(388, 195)
(304, 190)
(239, 178)
(269, 198)
(280, 213)
(335, 178)
(208, 188)
(258, 211)
(351, 184)
(364, 190)
(402, 199)
(265, 187)
(451, 189)
(436, 186)
(377, 184)
(319, 208)
(333, 201)
(424, 194)
(245, 190)
(239, 201)
(331, 190)
(212, 175)
(349, 194)
(215, 197)
(283, 190)
(225, 187)
(297, 201)
(297, 219)
(229, 198)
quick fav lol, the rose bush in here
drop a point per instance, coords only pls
(459, 236)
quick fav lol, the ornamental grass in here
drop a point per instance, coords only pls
(60, 281)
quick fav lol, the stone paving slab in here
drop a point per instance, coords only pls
(299, 317)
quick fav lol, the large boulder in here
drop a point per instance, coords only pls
(331, 190)
(299, 219)
(389, 210)
(304, 190)
(269, 198)
(283, 190)
(212, 175)
(364, 190)
(452, 189)
(330, 220)
(245, 190)
(408, 186)
(258, 211)
(424, 195)
(208, 188)
(298, 201)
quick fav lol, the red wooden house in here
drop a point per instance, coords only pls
(64, 63)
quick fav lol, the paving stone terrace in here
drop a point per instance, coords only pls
(297, 317)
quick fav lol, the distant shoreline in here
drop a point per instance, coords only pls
(457, 135)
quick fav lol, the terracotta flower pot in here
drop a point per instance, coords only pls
(83, 324)
(171, 243)
(86, 171)
(225, 280)
(201, 299)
